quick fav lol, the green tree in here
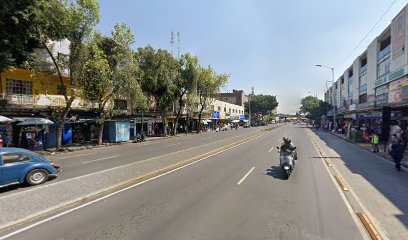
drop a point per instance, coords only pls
(186, 81)
(159, 70)
(209, 84)
(313, 107)
(73, 20)
(262, 104)
(17, 42)
(111, 73)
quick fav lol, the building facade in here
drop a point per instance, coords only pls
(237, 97)
(373, 91)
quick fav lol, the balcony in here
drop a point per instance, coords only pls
(350, 80)
(384, 53)
(19, 99)
(363, 70)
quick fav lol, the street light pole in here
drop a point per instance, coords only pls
(249, 110)
(333, 89)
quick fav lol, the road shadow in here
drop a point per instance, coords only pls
(276, 172)
(387, 181)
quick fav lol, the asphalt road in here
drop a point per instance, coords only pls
(83, 162)
(239, 194)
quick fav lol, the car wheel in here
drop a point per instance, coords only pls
(37, 176)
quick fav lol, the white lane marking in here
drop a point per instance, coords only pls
(115, 168)
(173, 144)
(74, 156)
(246, 175)
(99, 159)
(119, 191)
(270, 150)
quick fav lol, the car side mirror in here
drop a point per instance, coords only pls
(277, 148)
(294, 148)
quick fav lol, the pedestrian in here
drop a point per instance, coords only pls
(397, 153)
(374, 140)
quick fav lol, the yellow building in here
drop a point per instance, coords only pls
(28, 89)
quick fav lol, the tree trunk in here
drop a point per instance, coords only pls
(142, 124)
(60, 128)
(199, 119)
(179, 113)
(100, 137)
(164, 123)
(63, 118)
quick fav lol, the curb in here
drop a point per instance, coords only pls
(402, 164)
(91, 147)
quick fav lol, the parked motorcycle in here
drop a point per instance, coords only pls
(287, 162)
(140, 138)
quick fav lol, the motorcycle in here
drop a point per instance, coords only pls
(140, 138)
(287, 162)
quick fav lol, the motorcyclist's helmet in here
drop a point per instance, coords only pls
(286, 140)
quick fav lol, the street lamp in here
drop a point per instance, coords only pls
(334, 107)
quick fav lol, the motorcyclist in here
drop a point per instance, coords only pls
(288, 145)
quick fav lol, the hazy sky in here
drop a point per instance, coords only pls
(268, 44)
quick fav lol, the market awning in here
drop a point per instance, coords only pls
(5, 119)
(35, 121)
(235, 121)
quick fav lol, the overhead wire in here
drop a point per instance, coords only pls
(369, 32)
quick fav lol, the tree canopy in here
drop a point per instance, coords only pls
(262, 104)
(313, 107)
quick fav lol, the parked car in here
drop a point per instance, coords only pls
(19, 166)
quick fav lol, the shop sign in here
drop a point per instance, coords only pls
(369, 116)
(215, 115)
(392, 76)
(396, 90)
(398, 34)
(397, 115)
(350, 116)
(352, 107)
(381, 95)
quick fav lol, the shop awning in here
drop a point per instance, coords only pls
(5, 119)
(35, 121)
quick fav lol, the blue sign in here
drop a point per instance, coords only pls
(215, 115)
(242, 117)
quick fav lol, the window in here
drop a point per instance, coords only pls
(229, 110)
(363, 84)
(14, 158)
(219, 109)
(362, 98)
(19, 87)
(383, 67)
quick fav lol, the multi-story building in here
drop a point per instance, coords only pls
(374, 89)
(237, 97)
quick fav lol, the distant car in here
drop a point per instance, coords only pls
(19, 166)
(273, 121)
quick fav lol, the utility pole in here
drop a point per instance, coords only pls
(178, 47)
(171, 42)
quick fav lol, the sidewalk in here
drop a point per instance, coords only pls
(368, 147)
(77, 147)
(374, 187)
